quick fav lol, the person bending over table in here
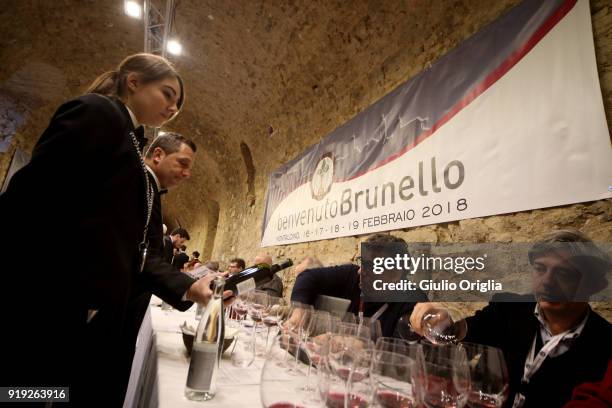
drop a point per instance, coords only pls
(344, 281)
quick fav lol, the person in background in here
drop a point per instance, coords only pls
(212, 265)
(235, 266)
(195, 255)
(275, 286)
(344, 281)
(173, 243)
(552, 340)
(180, 258)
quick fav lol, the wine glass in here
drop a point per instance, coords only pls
(299, 332)
(290, 328)
(374, 326)
(344, 373)
(447, 380)
(392, 345)
(279, 390)
(394, 380)
(315, 337)
(273, 314)
(353, 329)
(257, 305)
(489, 376)
(443, 325)
(403, 329)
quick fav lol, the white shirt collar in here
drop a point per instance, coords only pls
(154, 177)
(574, 331)
(133, 117)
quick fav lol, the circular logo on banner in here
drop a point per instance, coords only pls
(322, 179)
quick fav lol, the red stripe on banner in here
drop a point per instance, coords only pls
(493, 77)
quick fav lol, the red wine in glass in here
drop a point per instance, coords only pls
(241, 311)
(335, 399)
(283, 404)
(270, 321)
(344, 372)
(394, 399)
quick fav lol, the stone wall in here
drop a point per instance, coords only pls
(265, 80)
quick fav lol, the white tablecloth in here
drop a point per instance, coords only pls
(236, 387)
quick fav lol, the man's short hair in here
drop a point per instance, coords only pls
(579, 246)
(182, 232)
(238, 261)
(386, 239)
(183, 248)
(170, 142)
(196, 254)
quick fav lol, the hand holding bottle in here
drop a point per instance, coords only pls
(200, 292)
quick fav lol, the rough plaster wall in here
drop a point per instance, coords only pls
(375, 58)
(276, 76)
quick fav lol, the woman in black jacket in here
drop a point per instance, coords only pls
(85, 192)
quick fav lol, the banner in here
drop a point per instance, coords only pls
(510, 120)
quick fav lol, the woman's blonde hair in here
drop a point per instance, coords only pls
(148, 67)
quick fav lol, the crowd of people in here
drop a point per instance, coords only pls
(75, 322)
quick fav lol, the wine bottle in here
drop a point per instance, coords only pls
(207, 348)
(254, 276)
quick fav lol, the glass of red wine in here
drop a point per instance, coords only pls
(489, 376)
(345, 371)
(257, 305)
(297, 315)
(315, 336)
(273, 315)
(394, 379)
(446, 383)
(279, 389)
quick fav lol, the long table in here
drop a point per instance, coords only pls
(160, 367)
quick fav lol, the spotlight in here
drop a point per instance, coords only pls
(174, 47)
(132, 9)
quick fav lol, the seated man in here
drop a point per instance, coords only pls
(343, 281)
(235, 265)
(558, 342)
(275, 286)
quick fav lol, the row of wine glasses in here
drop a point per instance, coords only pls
(352, 371)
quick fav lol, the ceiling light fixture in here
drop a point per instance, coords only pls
(174, 47)
(132, 9)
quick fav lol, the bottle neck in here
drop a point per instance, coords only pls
(218, 285)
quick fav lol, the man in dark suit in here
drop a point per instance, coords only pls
(180, 258)
(168, 160)
(557, 342)
(173, 243)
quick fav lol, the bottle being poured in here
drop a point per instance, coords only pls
(254, 276)
(207, 348)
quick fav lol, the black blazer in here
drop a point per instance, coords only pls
(512, 327)
(83, 194)
(158, 277)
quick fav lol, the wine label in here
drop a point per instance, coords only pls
(245, 286)
(202, 367)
